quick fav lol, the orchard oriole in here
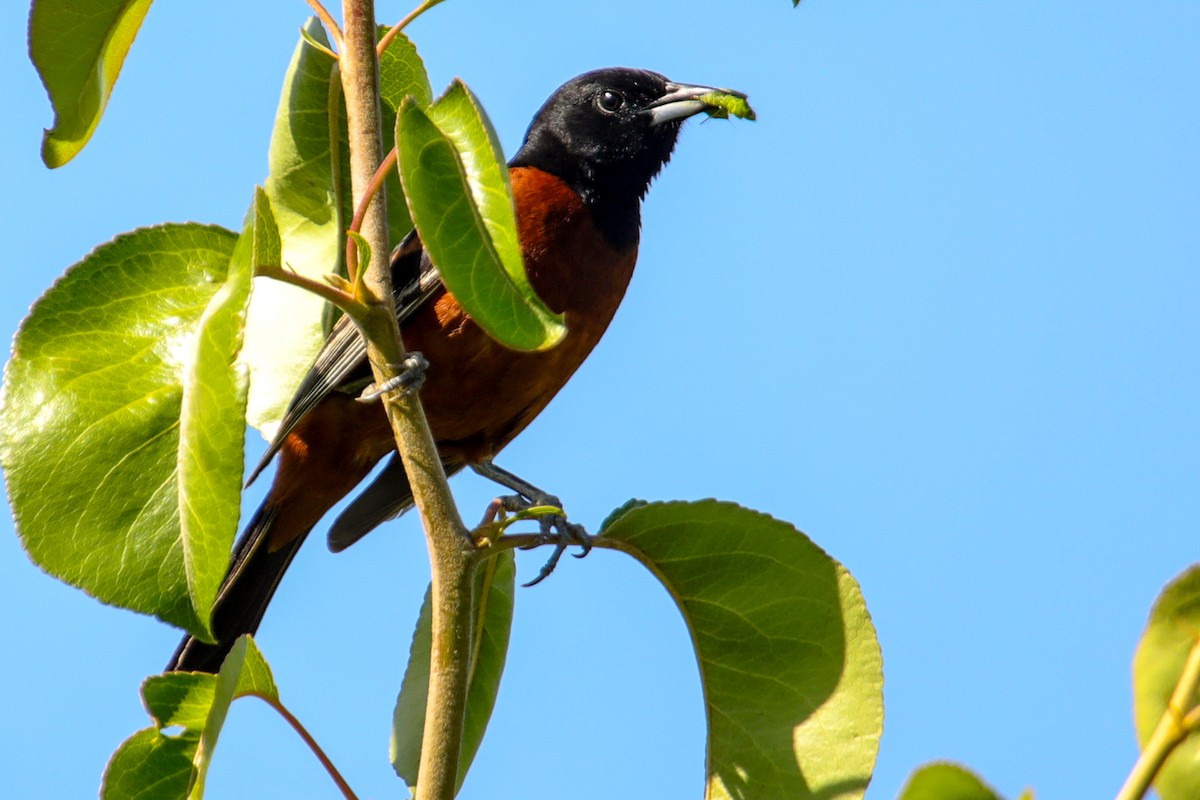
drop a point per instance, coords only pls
(578, 180)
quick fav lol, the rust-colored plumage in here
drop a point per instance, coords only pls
(578, 181)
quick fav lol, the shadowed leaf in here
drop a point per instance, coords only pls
(788, 657)
(494, 587)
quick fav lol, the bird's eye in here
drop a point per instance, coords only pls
(610, 101)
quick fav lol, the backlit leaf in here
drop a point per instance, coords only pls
(1170, 635)
(121, 430)
(79, 49)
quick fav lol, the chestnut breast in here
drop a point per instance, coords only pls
(574, 270)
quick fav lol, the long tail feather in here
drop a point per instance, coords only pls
(253, 577)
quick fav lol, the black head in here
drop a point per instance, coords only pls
(607, 133)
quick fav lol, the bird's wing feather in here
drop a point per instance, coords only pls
(344, 354)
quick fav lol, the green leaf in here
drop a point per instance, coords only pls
(401, 75)
(157, 763)
(1170, 635)
(79, 49)
(150, 765)
(493, 601)
(946, 781)
(310, 194)
(790, 665)
(244, 671)
(121, 430)
(460, 198)
(308, 189)
(364, 251)
(268, 249)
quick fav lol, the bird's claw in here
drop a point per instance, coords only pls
(553, 528)
(410, 379)
(563, 534)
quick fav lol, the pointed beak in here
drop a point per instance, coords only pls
(680, 102)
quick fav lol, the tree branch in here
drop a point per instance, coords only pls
(1177, 721)
(451, 556)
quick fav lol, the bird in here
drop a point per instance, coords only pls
(578, 181)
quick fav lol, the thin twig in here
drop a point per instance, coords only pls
(328, 21)
(402, 24)
(329, 293)
(375, 187)
(299, 728)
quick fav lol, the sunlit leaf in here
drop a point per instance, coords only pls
(945, 781)
(268, 249)
(171, 758)
(1170, 635)
(308, 188)
(310, 195)
(121, 431)
(79, 49)
(458, 192)
(401, 75)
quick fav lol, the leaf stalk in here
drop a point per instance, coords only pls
(328, 21)
(303, 733)
(402, 24)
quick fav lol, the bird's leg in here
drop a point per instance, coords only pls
(411, 379)
(554, 527)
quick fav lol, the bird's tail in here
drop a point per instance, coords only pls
(253, 576)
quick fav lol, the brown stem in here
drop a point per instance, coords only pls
(402, 24)
(451, 556)
(328, 293)
(328, 21)
(299, 728)
(374, 190)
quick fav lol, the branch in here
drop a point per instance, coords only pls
(1179, 719)
(451, 555)
(327, 292)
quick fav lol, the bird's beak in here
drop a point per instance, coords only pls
(680, 102)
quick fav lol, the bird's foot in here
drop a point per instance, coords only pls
(554, 527)
(530, 501)
(410, 379)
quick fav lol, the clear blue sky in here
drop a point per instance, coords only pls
(937, 308)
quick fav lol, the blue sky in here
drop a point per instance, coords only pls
(936, 308)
